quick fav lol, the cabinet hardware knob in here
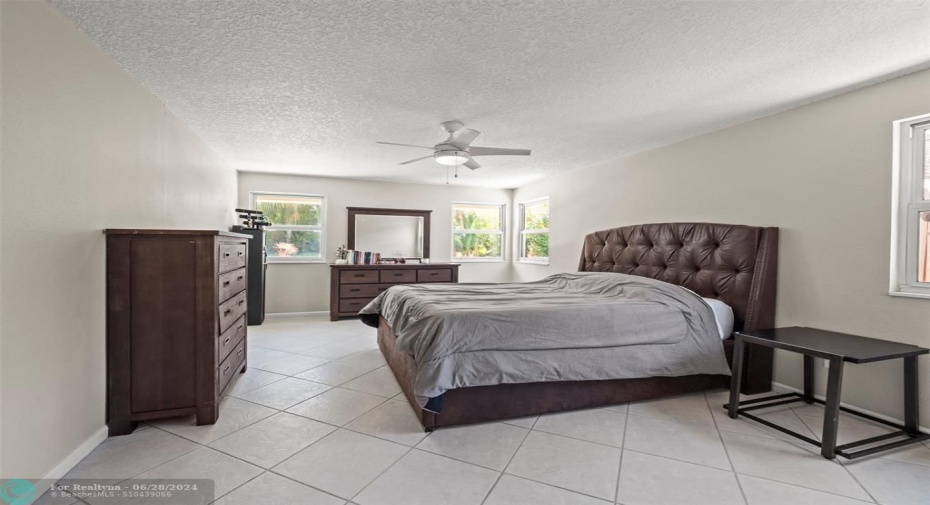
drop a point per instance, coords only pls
(225, 283)
(239, 278)
(226, 342)
(241, 253)
(239, 352)
(241, 302)
(225, 255)
(354, 290)
(360, 275)
(226, 369)
(239, 328)
(226, 312)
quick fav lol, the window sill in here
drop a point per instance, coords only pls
(533, 262)
(907, 294)
(478, 260)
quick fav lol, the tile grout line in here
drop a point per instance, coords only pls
(626, 423)
(799, 446)
(402, 456)
(725, 450)
(769, 479)
(500, 474)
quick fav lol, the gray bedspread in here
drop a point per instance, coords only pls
(573, 326)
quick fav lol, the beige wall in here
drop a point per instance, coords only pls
(84, 148)
(822, 173)
(305, 287)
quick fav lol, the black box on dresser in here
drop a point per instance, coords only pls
(176, 323)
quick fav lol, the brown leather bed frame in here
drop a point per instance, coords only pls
(735, 263)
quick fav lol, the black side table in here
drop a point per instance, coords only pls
(837, 348)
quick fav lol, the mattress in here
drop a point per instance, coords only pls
(573, 326)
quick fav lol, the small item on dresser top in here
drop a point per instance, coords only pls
(341, 255)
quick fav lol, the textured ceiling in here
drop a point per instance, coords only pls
(308, 86)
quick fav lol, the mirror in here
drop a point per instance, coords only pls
(391, 232)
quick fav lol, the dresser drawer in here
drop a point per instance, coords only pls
(231, 283)
(353, 304)
(362, 290)
(232, 256)
(230, 339)
(398, 276)
(231, 310)
(230, 366)
(434, 275)
(359, 277)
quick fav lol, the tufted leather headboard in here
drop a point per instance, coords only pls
(735, 263)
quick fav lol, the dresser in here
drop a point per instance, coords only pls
(176, 324)
(353, 286)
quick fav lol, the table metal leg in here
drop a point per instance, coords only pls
(911, 400)
(831, 417)
(735, 381)
(808, 379)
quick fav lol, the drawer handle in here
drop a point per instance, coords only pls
(360, 275)
(225, 255)
(226, 312)
(239, 352)
(434, 273)
(354, 290)
(241, 253)
(241, 302)
(239, 278)
(226, 369)
(225, 283)
(239, 328)
(398, 274)
(226, 342)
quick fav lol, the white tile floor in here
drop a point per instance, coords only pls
(317, 420)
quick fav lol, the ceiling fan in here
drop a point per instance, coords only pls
(457, 149)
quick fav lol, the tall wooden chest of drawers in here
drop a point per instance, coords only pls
(176, 326)
(353, 286)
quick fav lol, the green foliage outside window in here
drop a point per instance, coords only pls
(292, 211)
(476, 245)
(536, 217)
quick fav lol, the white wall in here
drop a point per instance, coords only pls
(822, 173)
(305, 287)
(84, 148)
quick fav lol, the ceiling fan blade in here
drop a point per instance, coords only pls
(464, 138)
(497, 151)
(415, 159)
(403, 145)
(472, 164)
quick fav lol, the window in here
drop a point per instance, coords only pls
(477, 231)
(534, 231)
(910, 272)
(297, 230)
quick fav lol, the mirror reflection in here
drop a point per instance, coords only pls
(392, 236)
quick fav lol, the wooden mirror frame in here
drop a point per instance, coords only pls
(354, 211)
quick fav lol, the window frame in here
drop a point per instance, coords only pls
(907, 203)
(502, 232)
(521, 242)
(253, 200)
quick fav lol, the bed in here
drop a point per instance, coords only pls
(735, 264)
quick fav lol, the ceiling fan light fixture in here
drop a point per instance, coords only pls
(451, 157)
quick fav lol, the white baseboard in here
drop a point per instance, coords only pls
(70, 461)
(854, 407)
(299, 314)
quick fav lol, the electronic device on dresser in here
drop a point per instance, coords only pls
(176, 325)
